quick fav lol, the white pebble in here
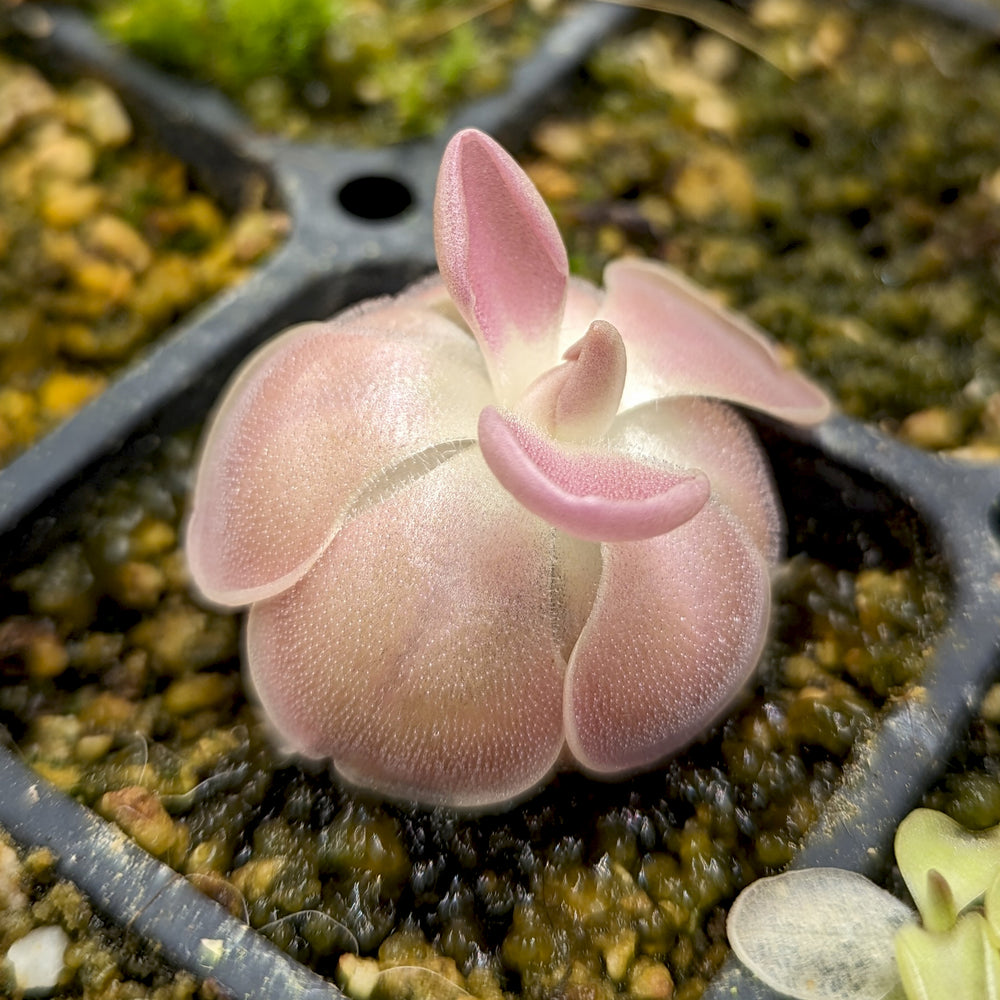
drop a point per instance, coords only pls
(37, 960)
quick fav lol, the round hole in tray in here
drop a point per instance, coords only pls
(375, 197)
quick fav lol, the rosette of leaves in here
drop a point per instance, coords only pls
(830, 934)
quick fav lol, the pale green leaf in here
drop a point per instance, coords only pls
(959, 964)
(939, 912)
(991, 906)
(969, 861)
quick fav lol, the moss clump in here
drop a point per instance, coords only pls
(139, 711)
(970, 792)
(363, 72)
(230, 43)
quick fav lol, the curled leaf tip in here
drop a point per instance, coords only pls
(588, 493)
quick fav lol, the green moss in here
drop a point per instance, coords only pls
(232, 42)
(970, 792)
(371, 73)
(590, 885)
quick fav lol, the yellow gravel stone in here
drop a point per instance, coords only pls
(107, 710)
(24, 93)
(112, 282)
(255, 878)
(255, 232)
(169, 284)
(67, 203)
(209, 856)
(62, 248)
(649, 980)
(12, 896)
(141, 815)
(18, 419)
(714, 181)
(46, 656)
(357, 977)
(113, 237)
(191, 694)
(618, 954)
(152, 537)
(96, 108)
(563, 141)
(66, 777)
(93, 747)
(63, 393)
(990, 709)
(61, 154)
(934, 428)
(554, 183)
(138, 584)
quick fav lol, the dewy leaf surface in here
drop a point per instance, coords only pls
(690, 644)
(502, 259)
(594, 494)
(681, 342)
(386, 656)
(310, 418)
(819, 934)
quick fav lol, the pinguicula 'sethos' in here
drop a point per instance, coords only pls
(503, 520)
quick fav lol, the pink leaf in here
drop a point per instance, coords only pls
(308, 422)
(419, 651)
(578, 400)
(501, 258)
(681, 343)
(588, 493)
(676, 630)
(713, 437)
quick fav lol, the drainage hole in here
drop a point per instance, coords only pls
(375, 197)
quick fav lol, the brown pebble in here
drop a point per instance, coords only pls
(141, 815)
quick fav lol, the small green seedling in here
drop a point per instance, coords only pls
(830, 934)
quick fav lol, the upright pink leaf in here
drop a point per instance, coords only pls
(501, 258)
(578, 400)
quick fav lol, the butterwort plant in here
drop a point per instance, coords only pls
(504, 521)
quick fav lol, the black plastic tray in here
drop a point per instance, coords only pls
(362, 226)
